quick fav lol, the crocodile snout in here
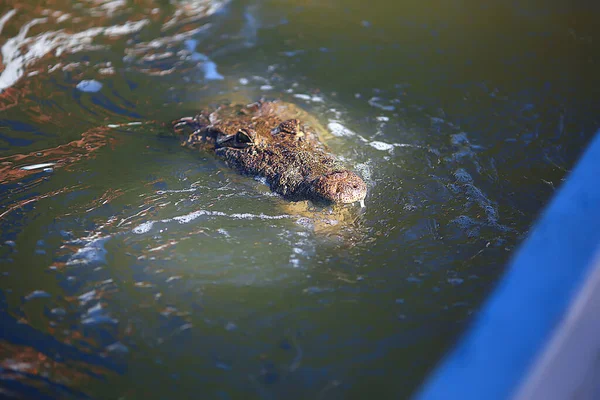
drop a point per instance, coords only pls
(340, 187)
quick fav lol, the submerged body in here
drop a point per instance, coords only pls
(260, 139)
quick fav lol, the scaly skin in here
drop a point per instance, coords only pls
(260, 139)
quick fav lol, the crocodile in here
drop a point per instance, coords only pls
(266, 139)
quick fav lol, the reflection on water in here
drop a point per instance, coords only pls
(130, 267)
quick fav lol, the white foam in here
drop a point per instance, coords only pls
(175, 191)
(260, 216)
(5, 18)
(364, 169)
(223, 232)
(17, 366)
(89, 86)
(96, 315)
(143, 228)
(384, 146)
(381, 146)
(298, 250)
(88, 296)
(184, 219)
(374, 102)
(92, 252)
(37, 166)
(261, 179)
(126, 28)
(316, 99)
(37, 294)
(337, 129)
(117, 347)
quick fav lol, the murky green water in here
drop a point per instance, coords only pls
(133, 268)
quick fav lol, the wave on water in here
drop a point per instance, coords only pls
(22, 51)
(145, 227)
(81, 30)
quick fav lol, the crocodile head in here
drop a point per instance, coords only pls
(260, 139)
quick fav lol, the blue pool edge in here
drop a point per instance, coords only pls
(507, 344)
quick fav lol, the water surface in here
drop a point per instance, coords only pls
(133, 268)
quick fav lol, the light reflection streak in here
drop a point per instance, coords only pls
(23, 203)
(20, 52)
(62, 155)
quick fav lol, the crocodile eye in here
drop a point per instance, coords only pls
(290, 126)
(245, 137)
